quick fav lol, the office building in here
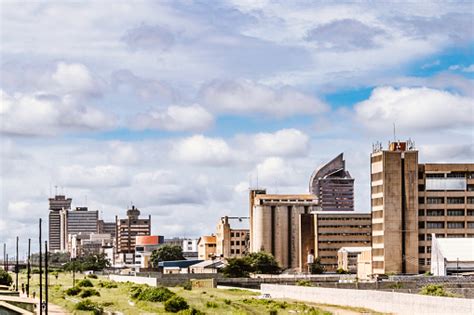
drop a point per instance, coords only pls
(106, 227)
(410, 201)
(127, 231)
(232, 241)
(56, 205)
(207, 247)
(336, 230)
(333, 186)
(78, 221)
(88, 244)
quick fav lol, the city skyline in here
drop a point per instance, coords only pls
(177, 107)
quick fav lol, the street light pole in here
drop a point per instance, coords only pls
(40, 272)
(17, 269)
(28, 269)
(46, 276)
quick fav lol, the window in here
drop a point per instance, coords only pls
(232, 251)
(428, 249)
(435, 225)
(440, 235)
(429, 237)
(455, 225)
(435, 175)
(455, 200)
(421, 187)
(421, 261)
(470, 187)
(231, 234)
(421, 249)
(421, 213)
(470, 200)
(435, 213)
(421, 225)
(428, 261)
(231, 243)
(377, 189)
(237, 234)
(456, 175)
(434, 200)
(470, 225)
(243, 243)
(421, 237)
(421, 200)
(237, 251)
(237, 242)
(470, 213)
(455, 235)
(456, 213)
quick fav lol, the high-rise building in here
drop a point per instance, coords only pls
(56, 205)
(78, 221)
(410, 201)
(127, 230)
(106, 227)
(232, 241)
(333, 185)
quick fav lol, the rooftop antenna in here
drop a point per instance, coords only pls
(394, 133)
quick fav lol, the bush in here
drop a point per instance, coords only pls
(190, 311)
(107, 284)
(149, 294)
(435, 290)
(85, 283)
(187, 285)
(342, 271)
(304, 283)
(92, 276)
(176, 304)
(227, 301)
(210, 304)
(73, 291)
(88, 305)
(5, 278)
(427, 274)
(89, 292)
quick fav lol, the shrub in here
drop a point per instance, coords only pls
(396, 285)
(342, 271)
(88, 305)
(190, 311)
(187, 285)
(92, 276)
(135, 291)
(304, 283)
(85, 283)
(5, 278)
(89, 292)
(227, 301)
(159, 294)
(435, 290)
(73, 291)
(427, 274)
(210, 304)
(176, 304)
(107, 284)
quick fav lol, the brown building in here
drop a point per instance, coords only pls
(106, 227)
(333, 185)
(232, 241)
(207, 247)
(126, 232)
(337, 230)
(410, 201)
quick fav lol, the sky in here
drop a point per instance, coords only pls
(178, 107)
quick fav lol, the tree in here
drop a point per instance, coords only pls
(237, 268)
(316, 267)
(5, 278)
(166, 253)
(262, 262)
(95, 262)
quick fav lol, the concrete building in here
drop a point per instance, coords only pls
(127, 230)
(188, 245)
(106, 227)
(56, 205)
(144, 247)
(232, 241)
(336, 230)
(347, 258)
(364, 264)
(333, 185)
(88, 243)
(451, 255)
(410, 201)
(78, 221)
(277, 224)
(207, 247)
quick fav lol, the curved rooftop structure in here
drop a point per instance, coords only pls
(333, 185)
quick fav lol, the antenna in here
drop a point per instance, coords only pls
(394, 133)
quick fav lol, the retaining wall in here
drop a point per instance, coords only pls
(139, 280)
(390, 302)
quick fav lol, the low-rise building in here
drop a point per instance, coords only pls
(364, 265)
(451, 255)
(144, 247)
(347, 258)
(207, 247)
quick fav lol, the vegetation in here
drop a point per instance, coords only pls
(176, 304)
(342, 271)
(107, 284)
(166, 253)
(304, 283)
(150, 294)
(210, 304)
(94, 262)
(396, 285)
(427, 274)
(5, 278)
(73, 291)
(435, 290)
(316, 267)
(92, 276)
(88, 305)
(261, 263)
(88, 293)
(85, 283)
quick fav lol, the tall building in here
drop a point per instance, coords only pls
(410, 201)
(333, 185)
(336, 230)
(232, 241)
(127, 230)
(79, 221)
(106, 227)
(56, 205)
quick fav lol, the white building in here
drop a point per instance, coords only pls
(451, 255)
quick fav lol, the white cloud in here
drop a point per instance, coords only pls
(202, 150)
(74, 78)
(285, 142)
(420, 109)
(98, 176)
(275, 172)
(246, 97)
(176, 118)
(35, 114)
(462, 68)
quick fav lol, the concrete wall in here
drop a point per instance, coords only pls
(391, 302)
(138, 280)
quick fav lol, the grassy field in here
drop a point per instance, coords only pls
(208, 301)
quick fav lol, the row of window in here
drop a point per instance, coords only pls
(422, 261)
(450, 175)
(441, 213)
(450, 200)
(237, 243)
(441, 225)
(343, 218)
(237, 234)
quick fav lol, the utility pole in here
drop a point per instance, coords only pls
(17, 268)
(28, 269)
(4, 256)
(46, 276)
(40, 272)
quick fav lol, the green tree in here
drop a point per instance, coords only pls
(95, 262)
(262, 262)
(316, 267)
(5, 278)
(166, 253)
(237, 268)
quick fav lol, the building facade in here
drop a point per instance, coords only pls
(410, 201)
(207, 247)
(336, 230)
(333, 185)
(231, 242)
(126, 232)
(104, 227)
(144, 247)
(347, 258)
(78, 221)
(56, 205)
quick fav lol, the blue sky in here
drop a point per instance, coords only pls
(177, 106)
